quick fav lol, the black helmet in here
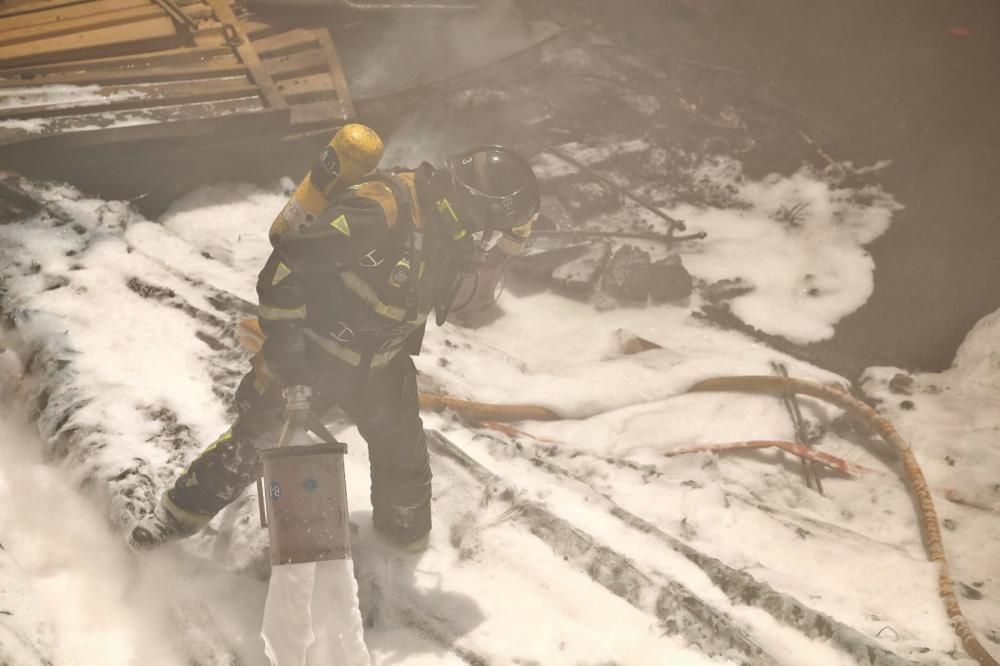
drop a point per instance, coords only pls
(494, 189)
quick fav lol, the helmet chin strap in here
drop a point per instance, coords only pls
(490, 226)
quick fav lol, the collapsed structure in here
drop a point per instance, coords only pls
(103, 82)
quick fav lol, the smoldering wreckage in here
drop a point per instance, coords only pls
(89, 85)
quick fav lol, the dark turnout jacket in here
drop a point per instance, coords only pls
(358, 282)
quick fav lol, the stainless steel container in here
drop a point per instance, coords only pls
(306, 503)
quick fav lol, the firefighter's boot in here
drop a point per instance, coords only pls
(163, 525)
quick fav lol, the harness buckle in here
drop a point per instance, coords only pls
(370, 260)
(345, 334)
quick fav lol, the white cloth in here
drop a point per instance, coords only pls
(312, 617)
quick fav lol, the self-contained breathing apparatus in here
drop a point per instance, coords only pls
(479, 193)
(354, 151)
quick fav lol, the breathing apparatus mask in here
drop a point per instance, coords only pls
(494, 196)
(485, 197)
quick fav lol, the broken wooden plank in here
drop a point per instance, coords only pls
(212, 32)
(79, 24)
(286, 42)
(68, 12)
(34, 6)
(326, 113)
(308, 88)
(138, 98)
(208, 69)
(248, 54)
(97, 19)
(253, 123)
(256, 28)
(292, 65)
(12, 132)
(185, 24)
(176, 56)
(151, 34)
(337, 72)
(284, 67)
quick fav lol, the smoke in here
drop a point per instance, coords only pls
(415, 49)
(419, 48)
(417, 139)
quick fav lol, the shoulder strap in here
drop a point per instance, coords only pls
(415, 238)
(400, 192)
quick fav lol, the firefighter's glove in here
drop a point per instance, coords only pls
(284, 351)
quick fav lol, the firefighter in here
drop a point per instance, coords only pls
(344, 298)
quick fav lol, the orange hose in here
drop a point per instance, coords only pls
(483, 411)
(914, 476)
(251, 336)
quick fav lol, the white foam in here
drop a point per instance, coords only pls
(312, 616)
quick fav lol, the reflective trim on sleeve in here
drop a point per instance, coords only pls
(281, 314)
(191, 520)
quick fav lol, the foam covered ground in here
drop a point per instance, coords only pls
(124, 334)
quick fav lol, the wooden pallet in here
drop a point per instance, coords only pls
(93, 72)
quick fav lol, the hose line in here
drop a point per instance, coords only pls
(484, 411)
(930, 527)
(914, 476)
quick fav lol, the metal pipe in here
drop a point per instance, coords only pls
(181, 19)
(667, 238)
(672, 221)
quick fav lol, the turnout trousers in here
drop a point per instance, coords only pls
(386, 410)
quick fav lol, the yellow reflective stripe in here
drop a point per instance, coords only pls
(334, 347)
(368, 295)
(224, 437)
(340, 224)
(189, 519)
(444, 206)
(281, 314)
(280, 273)
(512, 245)
(349, 355)
(525, 229)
